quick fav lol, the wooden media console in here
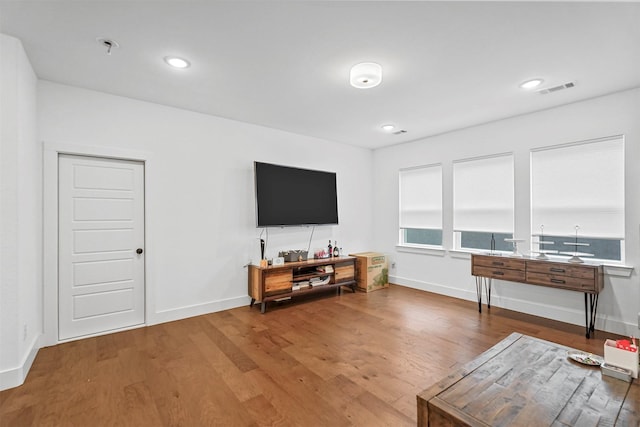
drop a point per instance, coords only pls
(292, 279)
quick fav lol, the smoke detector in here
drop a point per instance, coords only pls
(108, 44)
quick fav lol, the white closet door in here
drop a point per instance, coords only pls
(101, 242)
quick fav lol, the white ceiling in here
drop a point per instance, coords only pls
(285, 64)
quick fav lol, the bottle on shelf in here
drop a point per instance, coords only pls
(329, 250)
(336, 250)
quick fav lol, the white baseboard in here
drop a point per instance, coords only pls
(196, 310)
(434, 287)
(14, 377)
(575, 317)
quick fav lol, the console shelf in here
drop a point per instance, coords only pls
(276, 282)
(586, 278)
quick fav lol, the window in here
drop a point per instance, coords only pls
(483, 198)
(579, 185)
(603, 249)
(421, 206)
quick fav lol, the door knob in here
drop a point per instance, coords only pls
(139, 251)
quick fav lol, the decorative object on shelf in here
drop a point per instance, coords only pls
(575, 255)
(493, 244)
(293, 255)
(515, 246)
(585, 358)
(542, 253)
(319, 281)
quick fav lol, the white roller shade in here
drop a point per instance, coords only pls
(483, 194)
(582, 185)
(421, 197)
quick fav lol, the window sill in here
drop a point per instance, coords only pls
(617, 270)
(466, 253)
(424, 250)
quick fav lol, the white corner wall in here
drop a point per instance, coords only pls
(449, 273)
(200, 229)
(20, 216)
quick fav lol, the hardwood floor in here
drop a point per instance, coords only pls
(357, 359)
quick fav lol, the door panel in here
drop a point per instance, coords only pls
(103, 303)
(85, 241)
(94, 209)
(101, 224)
(117, 270)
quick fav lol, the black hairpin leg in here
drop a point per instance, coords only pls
(479, 292)
(487, 288)
(590, 310)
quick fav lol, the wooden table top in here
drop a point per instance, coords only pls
(524, 380)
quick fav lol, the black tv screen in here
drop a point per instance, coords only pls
(288, 196)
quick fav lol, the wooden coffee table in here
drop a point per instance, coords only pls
(524, 380)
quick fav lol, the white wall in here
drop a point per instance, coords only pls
(200, 208)
(449, 273)
(200, 204)
(20, 216)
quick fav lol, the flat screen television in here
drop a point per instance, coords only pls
(290, 196)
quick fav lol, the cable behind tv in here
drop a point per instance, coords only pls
(310, 237)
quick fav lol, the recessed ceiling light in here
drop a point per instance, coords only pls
(530, 84)
(388, 128)
(365, 75)
(176, 62)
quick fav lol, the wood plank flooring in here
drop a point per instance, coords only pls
(351, 360)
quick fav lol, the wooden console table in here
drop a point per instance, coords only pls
(276, 282)
(526, 381)
(586, 278)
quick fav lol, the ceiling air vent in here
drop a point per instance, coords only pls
(556, 88)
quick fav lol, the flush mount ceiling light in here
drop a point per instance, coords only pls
(365, 75)
(530, 84)
(388, 128)
(176, 62)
